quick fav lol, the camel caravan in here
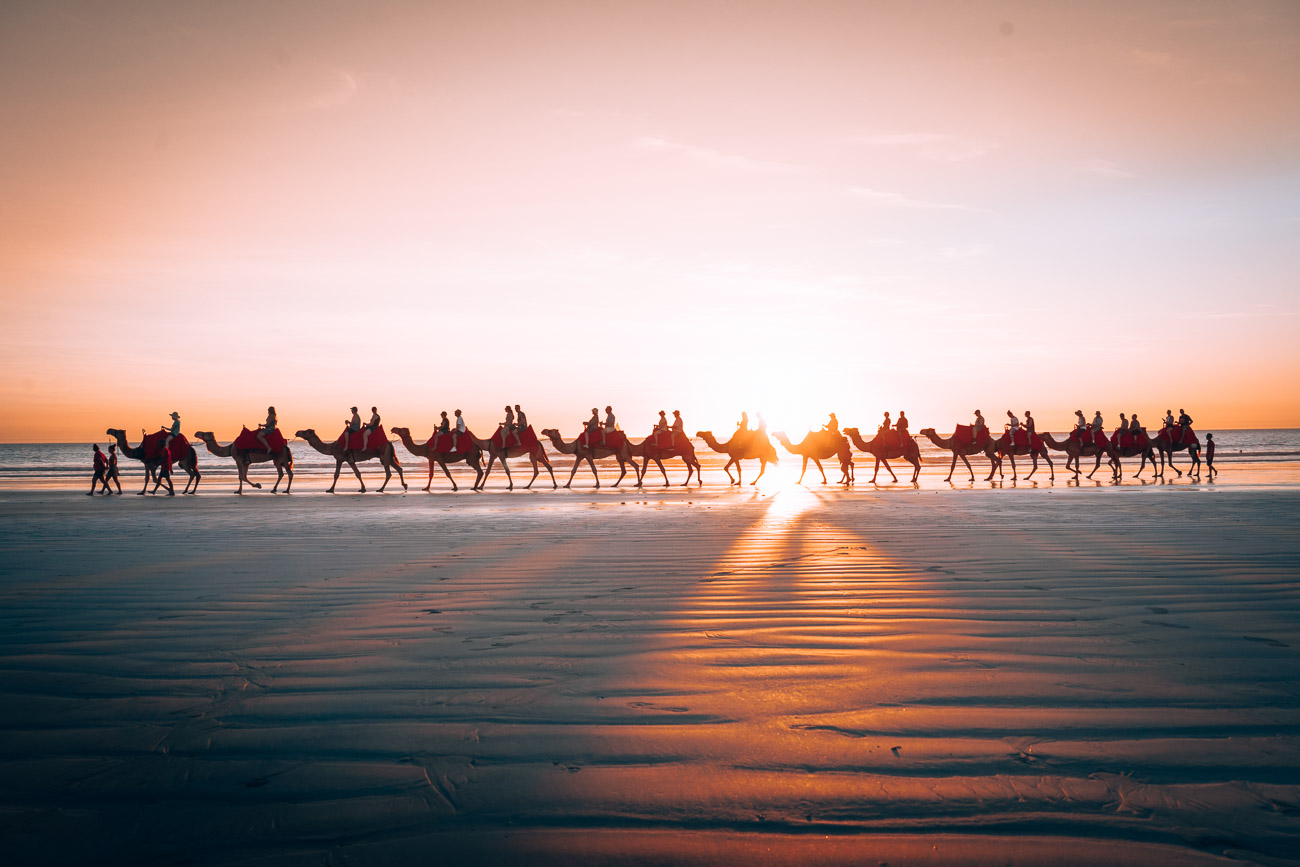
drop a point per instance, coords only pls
(453, 443)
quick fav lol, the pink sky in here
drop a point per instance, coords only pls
(788, 207)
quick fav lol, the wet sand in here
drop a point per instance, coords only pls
(1063, 675)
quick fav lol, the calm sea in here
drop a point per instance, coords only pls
(1246, 455)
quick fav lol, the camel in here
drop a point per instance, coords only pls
(1009, 449)
(817, 446)
(472, 456)
(244, 458)
(908, 450)
(386, 455)
(743, 446)
(1147, 452)
(189, 462)
(1167, 449)
(585, 453)
(1074, 449)
(533, 451)
(648, 451)
(989, 450)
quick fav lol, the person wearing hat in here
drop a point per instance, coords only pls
(679, 427)
(1080, 426)
(1097, 424)
(1013, 424)
(978, 426)
(592, 427)
(661, 428)
(172, 432)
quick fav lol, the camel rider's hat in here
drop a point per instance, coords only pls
(176, 415)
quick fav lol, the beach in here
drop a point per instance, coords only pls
(1062, 674)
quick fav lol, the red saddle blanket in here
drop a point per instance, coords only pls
(527, 438)
(365, 440)
(964, 436)
(1090, 439)
(668, 441)
(153, 444)
(1023, 440)
(441, 442)
(1175, 436)
(248, 440)
(1129, 440)
(889, 439)
(613, 440)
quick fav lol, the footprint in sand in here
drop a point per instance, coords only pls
(1271, 642)
(652, 706)
(1163, 623)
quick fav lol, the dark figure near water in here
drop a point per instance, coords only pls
(1209, 456)
(101, 468)
(165, 472)
(110, 474)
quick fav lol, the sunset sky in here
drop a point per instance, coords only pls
(793, 207)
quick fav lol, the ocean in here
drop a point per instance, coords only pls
(1245, 456)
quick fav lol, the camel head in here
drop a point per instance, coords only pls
(551, 432)
(204, 435)
(401, 431)
(306, 434)
(928, 432)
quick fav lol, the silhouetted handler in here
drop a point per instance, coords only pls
(101, 465)
(111, 474)
(1209, 456)
(165, 470)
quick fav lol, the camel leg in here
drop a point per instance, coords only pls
(541, 459)
(1014, 475)
(762, 468)
(971, 469)
(622, 471)
(953, 468)
(820, 470)
(877, 469)
(591, 462)
(888, 469)
(397, 465)
(448, 473)
(388, 474)
(1096, 465)
(577, 459)
(353, 463)
(726, 469)
(510, 482)
(801, 472)
(662, 471)
(916, 469)
(429, 483)
(492, 459)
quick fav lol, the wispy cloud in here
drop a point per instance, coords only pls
(718, 159)
(1153, 59)
(941, 147)
(898, 200)
(1102, 168)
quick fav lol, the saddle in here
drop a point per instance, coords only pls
(365, 440)
(527, 439)
(613, 440)
(248, 441)
(153, 446)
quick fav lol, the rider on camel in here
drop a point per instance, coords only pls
(1029, 423)
(901, 427)
(978, 426)
(1013, 424)
(266, 429)
(884, 425)
(611, 425)
(508, 427)
(521, 425)
(833, 426)
(1080, 426)
(172, 432)
(459, 430)
(1184, 422)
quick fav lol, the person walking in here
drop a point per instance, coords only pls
(1209, 456)
(101, 466)
(110, 474)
